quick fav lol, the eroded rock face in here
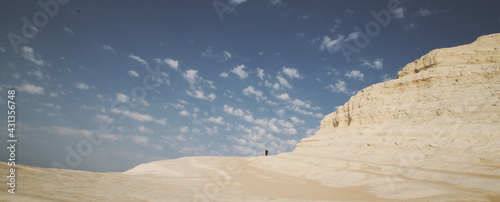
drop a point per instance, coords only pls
(446, 84)
(440, 115)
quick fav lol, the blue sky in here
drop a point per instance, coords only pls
(170, 79)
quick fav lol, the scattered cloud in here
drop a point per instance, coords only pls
(142, 140)
(184, 113)
(139, 117)
(66, 29)
(105, 118)
(196, 84)
(260, 73)
(172, 63)
(223, 75)
(291, 73)
(133, 73)
(336, 25)
(283, 82)
(108, 48)
(250, 90)
(180, 138)
(29, 54)
(233, 111)
(355, 74)
(399, 13)
(238, 70)
(424, 12)
(410, 27)
(36, 73)
(236, 2)
(82, 86)
(385, 77)
(304, 17)
(283, 96)
(121, 97)
(335, 45)
(376, 64)
(184, 129)
(144, 129)
(138, 59)
(219, 57)
(338, 87)
(30, 88)
(277, 3)
(218, 120)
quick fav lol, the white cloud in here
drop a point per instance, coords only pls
(80, 132)
(250, 90)
(195, 85)
(238, 70)
(284, 82)
(184, 129)
(385, 77)
(53, 94)
(201, 95)
(339, 87)
(2, 49)
(208, 53)
(82, 86)
(291, 73)
(335, 45)
(283, 96)
(191, 76)
(223, 75)
(376, 64)
(296, 120)
(105, 118)
(145, 103)
(180, 138)
(172, 63)
(30, 88)
(260, 73)
(424, 12)
(29, 54)
(121, 97)
(337, 25)
(184, 113)
(133, 73)
(66, 29)
(410, 27)
(277, 3)
(355, 74)
(211, 131)
(144, 129)
(108, 48)
(233, 111)
(138, 116)
(399, 13)
(37, 73)
(236, 2)
(144, 141)
(218, 120)
(138, 59)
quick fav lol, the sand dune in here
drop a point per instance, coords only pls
(432, 134)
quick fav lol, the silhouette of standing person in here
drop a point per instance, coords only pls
(266, 152)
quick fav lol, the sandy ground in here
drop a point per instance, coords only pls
(186, 179)
(223, 179)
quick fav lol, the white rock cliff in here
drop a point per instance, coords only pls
(434, 131)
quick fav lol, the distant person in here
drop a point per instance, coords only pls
(266, 152)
